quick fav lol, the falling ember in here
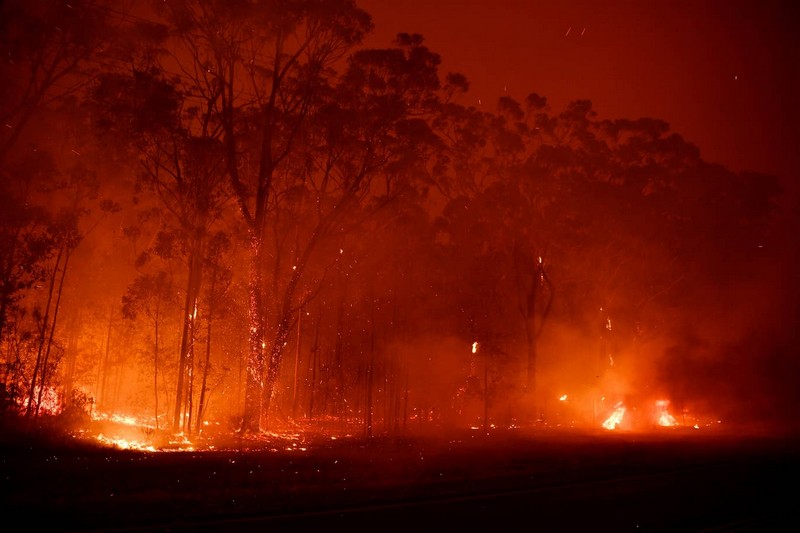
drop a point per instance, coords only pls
(563, 398)
(475, 347)
(664, 418)
(616, 417)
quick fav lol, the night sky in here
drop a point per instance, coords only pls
(723, 73)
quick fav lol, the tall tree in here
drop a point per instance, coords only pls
(182, 167)
(254, 70)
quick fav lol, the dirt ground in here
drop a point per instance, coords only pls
(74, 485)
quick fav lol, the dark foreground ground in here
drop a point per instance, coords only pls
(538, 480)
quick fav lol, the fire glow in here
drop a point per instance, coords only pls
(616, 417)
(664, 417)
(661, 416)
(172, 307)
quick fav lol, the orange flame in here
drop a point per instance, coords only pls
(616, 417)
(664, 417)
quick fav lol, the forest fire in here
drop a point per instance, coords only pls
(269, 263)
(320, 239)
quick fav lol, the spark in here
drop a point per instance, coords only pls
(568, 30)
(584, 31)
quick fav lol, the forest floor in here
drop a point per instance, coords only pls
(671, 480)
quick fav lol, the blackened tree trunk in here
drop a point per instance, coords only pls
(52, 331)
(35, 382)
(189, 310)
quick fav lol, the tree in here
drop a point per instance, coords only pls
(183, 168)
(215, 305)
(49, 49)
(254, 70)
(26, 241)
(150, 294)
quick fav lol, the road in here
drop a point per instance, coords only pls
(544, 482)
(739, 489)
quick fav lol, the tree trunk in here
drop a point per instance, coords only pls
(530, 382)
(42, 338)
(189, 406)
(71, 358)
(207, 365)
(155, 365)
(273, 368)
(105, 368)
(533, 328)
(370, 371)
(486, 392)
(52, 331)
(189, 306)
(296, 364)
(253, 396)
(314, 364)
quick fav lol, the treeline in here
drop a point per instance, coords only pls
(230, 214)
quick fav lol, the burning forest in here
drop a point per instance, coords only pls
(226, 223)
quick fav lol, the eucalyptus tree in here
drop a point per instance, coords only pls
(266, 75)
(182, 166)
(496, 232)
(253, 69)
(634, 221)
(50, 51)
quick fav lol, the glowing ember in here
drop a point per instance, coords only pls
(475, 347)
(563, 398)
(616, 417)
(125, 444)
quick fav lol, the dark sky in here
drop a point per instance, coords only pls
(724, 73)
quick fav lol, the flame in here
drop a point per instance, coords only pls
(125, 444)
(664, 417)
(50, 400)
(616, 417)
